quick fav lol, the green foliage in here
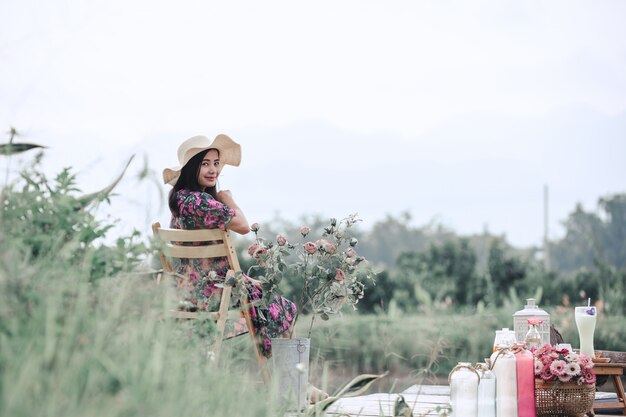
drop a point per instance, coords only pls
(12, 148)
(505, 272)
(73, 347)
(47, 219)
(447, 272)
(393, 236)
(83, 333)
(594, 237)
(430, 265)
(432, 342)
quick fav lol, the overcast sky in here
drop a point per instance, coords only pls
(458, 112)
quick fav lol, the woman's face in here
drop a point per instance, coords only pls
(210, 169)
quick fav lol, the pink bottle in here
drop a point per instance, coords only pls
(525, 364)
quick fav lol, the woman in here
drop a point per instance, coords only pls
(195, 203)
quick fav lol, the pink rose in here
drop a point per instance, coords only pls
(255, 227)
(326, 246)
(304, 231)
(252, 249)
(350, 252)
(310, 248)
(339, 275)
(261, 253)
(280, 239)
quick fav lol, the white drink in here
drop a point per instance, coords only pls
(586, 323)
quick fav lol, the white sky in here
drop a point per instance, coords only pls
(458, 111)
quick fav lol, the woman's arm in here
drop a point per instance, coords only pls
(238, 223)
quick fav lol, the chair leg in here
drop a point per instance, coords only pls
(619, 388)
(221, 321)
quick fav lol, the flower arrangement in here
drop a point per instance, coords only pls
(553, 364)
(331, 272)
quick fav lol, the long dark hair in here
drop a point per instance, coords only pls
(188, 180)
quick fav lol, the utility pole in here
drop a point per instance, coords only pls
(546, 243)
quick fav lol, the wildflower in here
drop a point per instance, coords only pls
(326, 246)
(310, 248)
(339, 275)
(252, 249)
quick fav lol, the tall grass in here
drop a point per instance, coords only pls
(83, 334)
(71, 347)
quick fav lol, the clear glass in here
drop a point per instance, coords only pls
(486, 391)
(504, 338)
(586, 323)
(533, 338)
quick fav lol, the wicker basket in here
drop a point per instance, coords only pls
(563, 399)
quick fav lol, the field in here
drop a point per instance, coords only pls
(73, 347)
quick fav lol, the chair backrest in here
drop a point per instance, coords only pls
(208, 243)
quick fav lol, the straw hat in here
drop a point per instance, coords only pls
(230, 153)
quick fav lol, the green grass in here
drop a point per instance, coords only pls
(70, 347)
(429, 345)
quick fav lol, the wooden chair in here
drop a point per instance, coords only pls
(209, 243)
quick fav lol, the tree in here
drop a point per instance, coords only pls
(593, 237)
(446, 270)
(505, 271)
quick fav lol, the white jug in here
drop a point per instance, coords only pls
(464, 390)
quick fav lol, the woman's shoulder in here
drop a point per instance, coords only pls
(184, 194)
(197, 200)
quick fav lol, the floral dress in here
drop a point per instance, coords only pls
(199, 210)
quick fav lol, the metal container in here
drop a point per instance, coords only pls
(290, 358)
